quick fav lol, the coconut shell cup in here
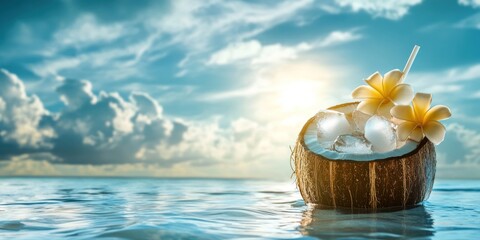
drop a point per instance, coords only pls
(392, 182)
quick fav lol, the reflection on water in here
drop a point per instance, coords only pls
(324, 223)
(76, 208)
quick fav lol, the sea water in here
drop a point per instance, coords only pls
(136, 208)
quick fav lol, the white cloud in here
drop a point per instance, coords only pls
(472, 3)
(21, 115)
(463, 73)
(242, 92)
(242, 141)
(235, 52)
(87, 30)
(453, 77)
(390, 9)
(338, 37)
(194, 25)
(444, 88)
(23, 165)
(476, 94)
(108, 129)
(146, 105)
(2, 107)
(255, 53)
(470, 139)
(470, 22)
(109, 62)
(75, 93)
(277, 53)
(53, 67)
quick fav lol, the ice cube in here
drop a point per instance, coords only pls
(359, 120)
(381, 134)
(356, 144)
(330, 125)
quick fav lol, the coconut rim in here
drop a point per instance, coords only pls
(301, 139)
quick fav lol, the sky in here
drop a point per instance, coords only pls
(217, 88)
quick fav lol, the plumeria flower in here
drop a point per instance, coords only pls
(382, 93)
(420, 120)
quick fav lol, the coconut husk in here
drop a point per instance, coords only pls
(402, 181)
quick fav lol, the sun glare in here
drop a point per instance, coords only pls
(297, 94)
(291, 94)
(300, 88)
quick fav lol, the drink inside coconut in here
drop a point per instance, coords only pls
(377, 152)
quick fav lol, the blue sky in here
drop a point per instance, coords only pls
(216, 88)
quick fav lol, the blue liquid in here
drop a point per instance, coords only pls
(116, 208)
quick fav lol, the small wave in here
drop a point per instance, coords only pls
(18, 225)
(66, 200)
(458, 229)
(97, 193)
(456, 190)
(31, 203)
(233, 212)
(66, 190)
(11, 225)
(148, 193)
(167, 231)
(273, 192)
(228, 193)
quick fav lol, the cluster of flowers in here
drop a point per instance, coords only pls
(389, 97)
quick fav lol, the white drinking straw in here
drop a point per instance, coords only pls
(410, 61)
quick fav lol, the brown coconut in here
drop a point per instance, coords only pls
(402, 181)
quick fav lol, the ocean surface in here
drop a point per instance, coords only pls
(136, 208)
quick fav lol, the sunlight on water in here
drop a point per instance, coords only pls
(76, 208)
